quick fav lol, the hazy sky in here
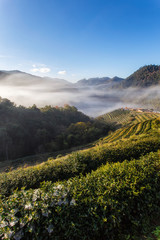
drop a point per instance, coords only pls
(75, 39)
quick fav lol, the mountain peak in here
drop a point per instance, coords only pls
(93, 81)
(146, 76)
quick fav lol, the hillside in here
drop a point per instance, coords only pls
(112, 189)
(26, 131)
(118, 117)
(92, 82)
(33, 130)
(105, 190)
(92, 96)
(135, 129)
(124, 117)
(16, 77)
(144, 138)
(146, 76)
(78, 135)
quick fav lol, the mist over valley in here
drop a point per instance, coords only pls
(93, 96)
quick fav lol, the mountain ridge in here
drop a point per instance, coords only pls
(93, 96)
(146, 76)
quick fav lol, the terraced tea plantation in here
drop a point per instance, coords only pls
(135, 129)
(123, 117)
(109, 191)
(134, 123)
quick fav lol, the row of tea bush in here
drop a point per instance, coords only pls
(116, 200)
(78, 162)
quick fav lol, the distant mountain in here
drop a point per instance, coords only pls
(18, 78)
(98, 81)
(116, 79)
(146, 76)
(93, 96)
(92, 81)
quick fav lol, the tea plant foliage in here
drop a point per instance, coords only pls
(78, 162)
(109, 203)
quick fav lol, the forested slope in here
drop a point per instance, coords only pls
(146, 76)
(28, 131)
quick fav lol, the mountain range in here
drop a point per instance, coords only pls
(144, 77)
(92, 96)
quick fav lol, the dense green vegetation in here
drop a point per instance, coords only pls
(27, 131)
(135, 129)
(77, 134)
(106, 192)
(104, 204)
(81, 133)
(78, 162)
(118, 117)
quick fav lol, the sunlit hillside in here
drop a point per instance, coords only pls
(111, 185)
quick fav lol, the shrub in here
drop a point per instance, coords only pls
(76, 163)
(104, 204)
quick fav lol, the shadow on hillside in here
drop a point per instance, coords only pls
(7, 166)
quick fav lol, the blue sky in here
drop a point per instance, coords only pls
(75, 39)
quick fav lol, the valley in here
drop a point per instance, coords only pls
(94, 177)
(79, 120)
(93, 96)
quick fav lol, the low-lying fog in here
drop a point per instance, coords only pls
(92, 100)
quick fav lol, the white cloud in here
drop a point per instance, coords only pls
(40, 70)
(62, 72)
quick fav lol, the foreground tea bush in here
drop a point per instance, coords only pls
(109, 203)
(76, 163)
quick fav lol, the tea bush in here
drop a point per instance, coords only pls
(141, 127)
(110, 203)
(78, 162)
